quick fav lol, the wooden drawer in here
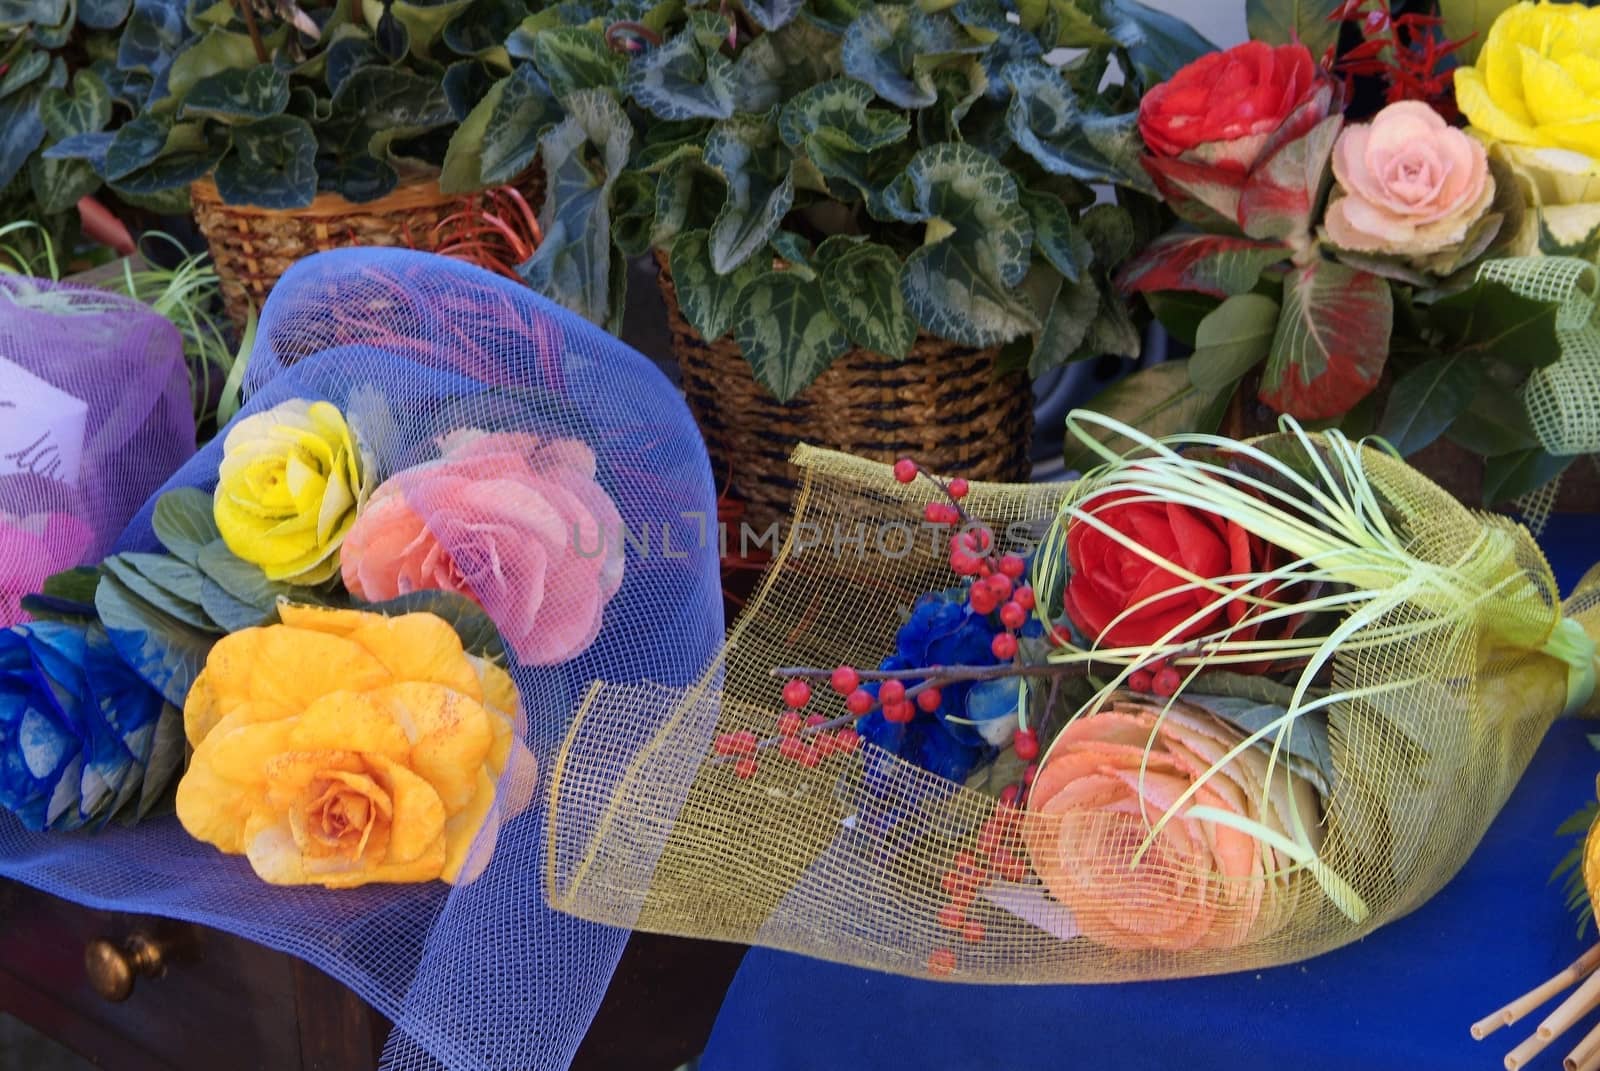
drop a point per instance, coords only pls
(217, 1002)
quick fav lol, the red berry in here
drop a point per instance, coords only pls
(941, 961)
(726, 744)
(1009, 795)
(951, 916)
(789, 723)
(860, 701)
(1026, 743)
(966, 862)
(1023, 597)
(814, 720)
(740, 743)
(797, 694)
(1139, 680)
(845, 680)
(940, 513)
(972, 931)
(810, 755)
(1013, 616)
(959, 488)
(929, 700)
(899, 713)
(975, 540)
(824, 744)
(1004, 646)
(957, 884)
(891, 692)
(1013, 566)
(745, 768)
(905, 470)
(963, 564)
(982, 600)
(1029, 772)
(846, 741)
(1000, 584)
(1166, 682)
(791, 747)
(1010, 867)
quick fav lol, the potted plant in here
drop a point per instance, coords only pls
(324, 124)
(871, 219)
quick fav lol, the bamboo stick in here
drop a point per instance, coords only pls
(1579, 1058)
(1583, 1000)
(1531, 1047)
(1592, 1063)
(1537, 996)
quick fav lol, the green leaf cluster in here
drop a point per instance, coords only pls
(828, 174)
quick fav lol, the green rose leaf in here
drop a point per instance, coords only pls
(786, 332)
(1490, 320)
(1496, 422)
(1331, 343)
(862, 289)
(1181, 312)
(584, 154)
(748, 153)
(272, 164)
(258, 92)
(1160, 400)
(1305, 738)
(1048, 125)
(896, 49)
(775, 66)
(709, 301)
(573, 58)
(1213, 264)
(961, 284)
(1428, 399)
(242, 581)
(1313, 23)
(472, 625)
(1233, 339)
(688, 77)
(172, 586)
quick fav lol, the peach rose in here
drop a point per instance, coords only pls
(1200, 884)
(1409, 185)
(514, 522)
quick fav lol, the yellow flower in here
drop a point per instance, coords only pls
(1535, 93)
(342, 748)
(288, 489)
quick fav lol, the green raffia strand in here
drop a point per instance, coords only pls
(1571, 644)
(1333, 526)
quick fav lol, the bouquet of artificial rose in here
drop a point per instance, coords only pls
(359, 620)
(1218, 705)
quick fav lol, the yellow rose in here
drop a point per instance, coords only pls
(288, 489)
(1536, 91)
(342, 748)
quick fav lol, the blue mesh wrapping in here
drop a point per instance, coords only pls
(412, 346)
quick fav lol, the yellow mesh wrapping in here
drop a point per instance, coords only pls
(648, 829)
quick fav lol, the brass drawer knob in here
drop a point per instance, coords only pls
(113, 967)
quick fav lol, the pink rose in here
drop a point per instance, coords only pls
(1410, 184)
(512, 521)
(33, 548)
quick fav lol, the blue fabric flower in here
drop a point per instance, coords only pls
(77, 726)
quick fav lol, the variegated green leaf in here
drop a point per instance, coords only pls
(1048, 125)
(1332, 341)
(837, 113)
(786, 332)
(896, 49)
(1158, 43)
(58, 185)
(688, 77)
(482, 28)
(26, 70)
(666, 142)
(961, 285)
(272, 164)
(688, 197)
(960, 84)
(1072, 308)
(747, 152)
(1313, 23)
(795, 251)
(218, 51)
(572, 58)
(242, 94)
(425, 20)
(709, 301)
(633, 212)
(862, 288)
(86, 109)
(525, 110)
(1055, 236)
(775, 66)
(771, 14)
(583, 156)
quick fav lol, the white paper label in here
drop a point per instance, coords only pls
(41, 427)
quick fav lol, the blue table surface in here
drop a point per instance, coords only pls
(1403, 998)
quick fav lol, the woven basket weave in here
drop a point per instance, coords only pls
(943, 404)
(252, 247)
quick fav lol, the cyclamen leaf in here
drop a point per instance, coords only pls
(217, 51)
(86, 109)
(862, 290)
(1331, 343)
(1428, 399)
(103, 14)
(1070, 316)
(748, 153)
(1055, 236)
(24, 72)
(776, 66)
(1233, 339)
(21, 132)
(895, 49)
(272, 164)
(771, 14)
(787, 333)
(58, 185)
(525, 111)
(151, 36)
(259, 92)
(1211, 264)
(709, 301)
(684, 79)
(838, 112)
(573, 58)
(1048, 125)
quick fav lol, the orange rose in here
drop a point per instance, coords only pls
(1200, 884)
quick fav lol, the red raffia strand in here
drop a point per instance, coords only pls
(496, 229)
(1408, 52)
(1584, 999)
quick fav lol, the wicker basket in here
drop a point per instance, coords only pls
(252, 247)
(943, 405)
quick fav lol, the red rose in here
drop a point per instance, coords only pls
(1108, 577)
(1240, 97)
